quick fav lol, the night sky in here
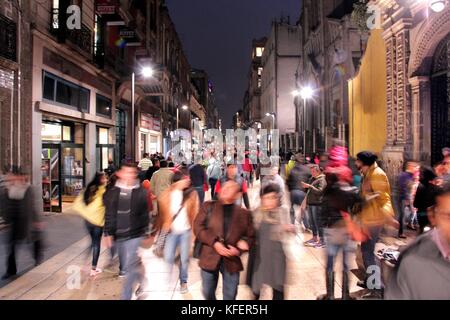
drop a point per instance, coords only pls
(217, 37)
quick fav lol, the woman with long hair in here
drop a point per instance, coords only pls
(89, 205)
(178, 206)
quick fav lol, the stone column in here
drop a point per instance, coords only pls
(420, 118)
(398, 142)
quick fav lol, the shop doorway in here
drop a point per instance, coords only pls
(63, 163)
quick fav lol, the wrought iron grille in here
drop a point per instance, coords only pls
(81, 38)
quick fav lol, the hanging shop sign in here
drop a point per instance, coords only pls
(106, 7)
(148, 122)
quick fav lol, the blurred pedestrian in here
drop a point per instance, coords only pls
(376, 213)
(247, 171)
(214, 172)
(338, 197)
(111, 168)
(274, 178)
(405, 199)
(423, 269)
(155, 167)
(161, 179)
(314, 199)
(127, 223)
(89, 204)
(145, 163)
(231, 174)
(299, 173)
(22, 213)
(221, 227)
(198, 179)
(267, 258)
(425, 196)
(178, 207)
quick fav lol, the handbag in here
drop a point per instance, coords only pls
(161, 241)
(354, 229)
(198, 245)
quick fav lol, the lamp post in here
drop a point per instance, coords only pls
(146, 72)
(305, 93)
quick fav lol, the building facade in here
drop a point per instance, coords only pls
(417, 40)
(280, 59)
(332, 49)
(68, 105)
(252, 98)
(15, 85)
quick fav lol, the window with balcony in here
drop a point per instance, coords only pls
(64, 92)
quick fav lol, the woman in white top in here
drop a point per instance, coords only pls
(178, 206)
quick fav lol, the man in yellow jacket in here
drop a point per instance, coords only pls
(375, 214)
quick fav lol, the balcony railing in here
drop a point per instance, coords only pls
(81, 38)
(8, 37)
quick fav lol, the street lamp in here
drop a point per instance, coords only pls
(305, 93)
(437, 5)
(146, 72)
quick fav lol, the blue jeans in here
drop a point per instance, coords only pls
(337, 239)
(230, 283)
(128, 250)
(183, 241)
(367, 250)
(315, 220)
(201, 194)
(297, 197)
(96, 238)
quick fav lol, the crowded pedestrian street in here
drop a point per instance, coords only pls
(198, 150)
(53, 279)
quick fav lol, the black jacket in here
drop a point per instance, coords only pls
(339, 196)
(425, 197)
(198, 175)
(300, 173)
(139, 220)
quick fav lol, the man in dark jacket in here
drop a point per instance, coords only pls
(423, 269)
(20, 209)
(221, 227)
(300, 173)
(127, 223)
(314, 202)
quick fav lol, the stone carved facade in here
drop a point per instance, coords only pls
(412, 34)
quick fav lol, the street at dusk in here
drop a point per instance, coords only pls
(196, 150)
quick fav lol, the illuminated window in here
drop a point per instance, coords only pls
(259, 83)
(259, 51)
(260, 70)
